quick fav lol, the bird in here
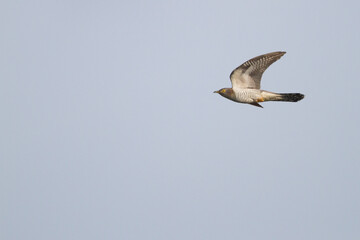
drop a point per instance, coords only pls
(246, 78)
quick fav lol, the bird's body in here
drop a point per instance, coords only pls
(246, 83)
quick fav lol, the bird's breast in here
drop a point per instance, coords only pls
(246, 95)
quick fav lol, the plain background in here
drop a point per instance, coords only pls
(110, 128)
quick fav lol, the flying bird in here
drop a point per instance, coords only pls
(246, 78)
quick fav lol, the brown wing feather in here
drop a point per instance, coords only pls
(248, 74)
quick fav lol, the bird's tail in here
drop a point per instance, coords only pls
(284, 97)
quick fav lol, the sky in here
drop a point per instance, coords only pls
(110, 128)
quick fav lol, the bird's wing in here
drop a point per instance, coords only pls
(248, 74)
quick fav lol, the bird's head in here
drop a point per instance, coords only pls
(224, 91)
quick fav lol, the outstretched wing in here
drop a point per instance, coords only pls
(248, 74)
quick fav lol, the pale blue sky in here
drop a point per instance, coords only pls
(110, 128)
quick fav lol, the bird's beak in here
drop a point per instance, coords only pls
(216, 91)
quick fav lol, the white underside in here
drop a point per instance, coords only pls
(247, 95)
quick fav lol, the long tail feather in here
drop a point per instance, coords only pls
(284, 97)
(290, 97)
